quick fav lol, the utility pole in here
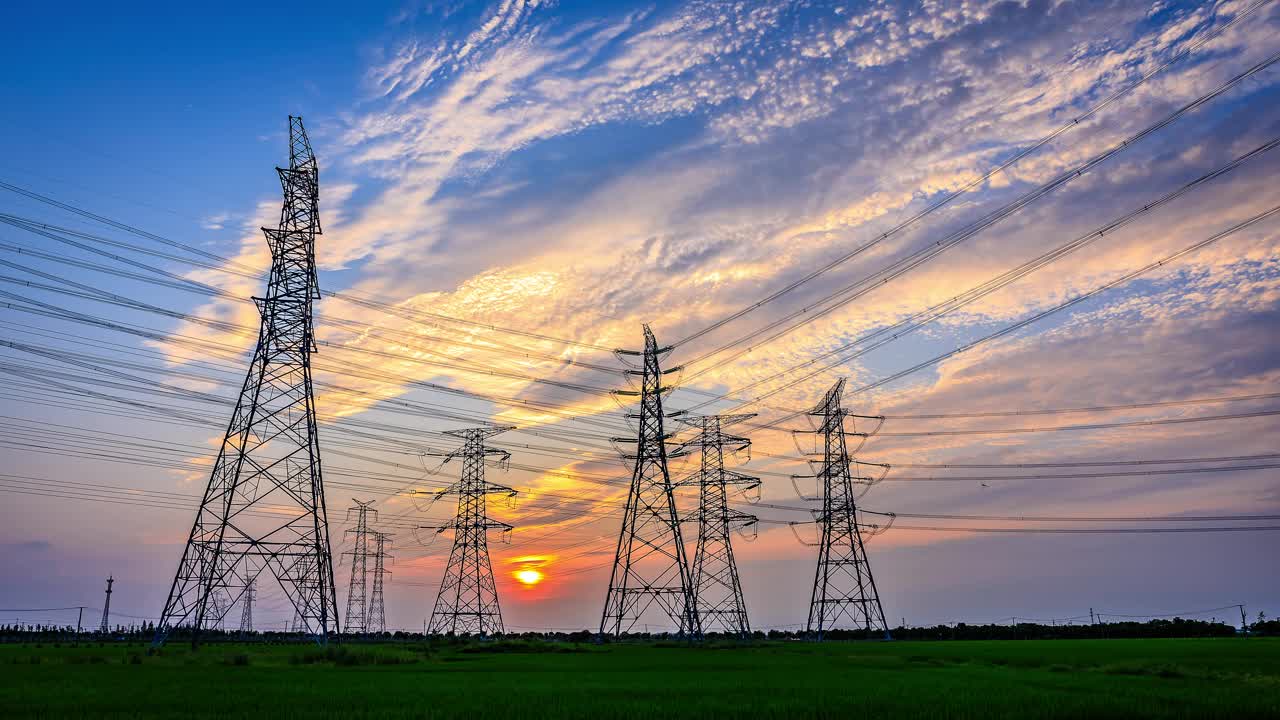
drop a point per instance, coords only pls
(468, 597)
(377, 622)
(1244, 623)
(357, 620)
(246, 610)
(716, 587)
(105, 627)
(843, 587)
(270, 455)
(649, 565)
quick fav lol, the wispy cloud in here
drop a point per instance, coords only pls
(674, 164)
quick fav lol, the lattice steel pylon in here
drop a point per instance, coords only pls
(264, 509)
(717, 588)
(246, 608)
(106, 608)
(649, 565)
(468, 598)
(377, 619)
(843, 587)
(357, 617)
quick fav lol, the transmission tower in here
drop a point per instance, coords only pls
(649, 565)
(715, 573)
(246, 610)
(264, 508)
(377, 620)
(468, 598)
(357, 620)
(218, 607)
(843, 588)
(106, 608)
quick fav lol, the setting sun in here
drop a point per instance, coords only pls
(528, 576)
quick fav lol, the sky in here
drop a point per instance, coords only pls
(818, 176)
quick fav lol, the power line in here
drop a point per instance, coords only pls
(1080, 518)
(1081, 476)
(186, 284)
(1098, 463)
(224, 262)
(1091, 426)
(88, 292)
(1075, 300)
(979, 181)
(1093, 531)
(900, 267)
(1096, 408)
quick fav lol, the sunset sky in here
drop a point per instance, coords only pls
(570, 170)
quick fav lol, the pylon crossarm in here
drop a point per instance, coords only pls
(800, 539)
(873, 480)
(800, 493)
(733, 477)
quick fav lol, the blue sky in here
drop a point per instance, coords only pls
(575, 169)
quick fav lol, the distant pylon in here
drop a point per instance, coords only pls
(106, 608)
(468, 598)
(377, 622)
(843, 588)
(357, 620)
(715, 573)
(649, 565)
(246, 609)
(218, 607)
(264, 508)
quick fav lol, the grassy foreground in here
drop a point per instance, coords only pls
(1226, 678)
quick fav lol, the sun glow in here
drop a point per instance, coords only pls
(528, 576)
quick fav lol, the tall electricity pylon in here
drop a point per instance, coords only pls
(377, 620)
(246, 608)
(264, 509)
(715, 573)
(843, 588)
(649, 565)
(468, 598)
(357, 620)
(106, 608)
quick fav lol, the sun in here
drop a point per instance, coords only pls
(528, 576)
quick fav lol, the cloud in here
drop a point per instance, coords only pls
(672, 165)
(217, 221)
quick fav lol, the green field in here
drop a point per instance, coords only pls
(1226, 678)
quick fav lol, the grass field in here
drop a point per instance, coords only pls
(1225, 678)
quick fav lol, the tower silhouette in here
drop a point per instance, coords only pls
(357, 617)
(468, 598)
(246, 608)
(649, 564)
(106, 608)
(264, 510)
(377, 620)
(843, 588)
(717, 589)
